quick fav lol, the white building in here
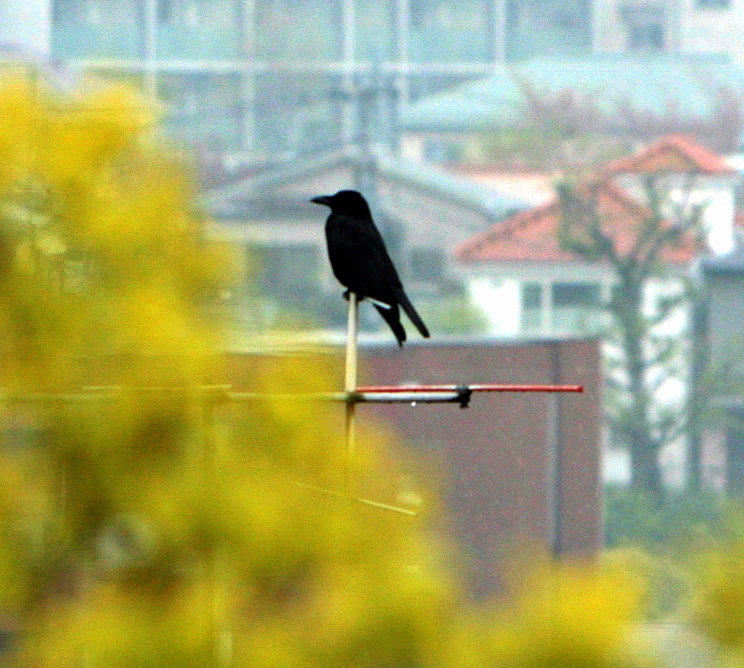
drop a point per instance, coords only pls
(519, 261)
(682, 26)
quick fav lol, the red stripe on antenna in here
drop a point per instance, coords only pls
(490, 387)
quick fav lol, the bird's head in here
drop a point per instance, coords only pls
(348, 202)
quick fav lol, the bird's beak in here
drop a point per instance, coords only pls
(322, 199)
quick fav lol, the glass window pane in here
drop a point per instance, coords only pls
(450, 30)
(198, 29)
(531, 313)
(531, 295)
(713, 4)
(300, 113)
(99, 29)
(375, 29)
(299, 29)
(576, 294)
(576, 306)
(204, 110)
(548, 28)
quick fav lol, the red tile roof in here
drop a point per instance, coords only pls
(532, 235)
(673, 153)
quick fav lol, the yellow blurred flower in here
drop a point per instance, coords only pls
(148, 521)
(718, 608)
(570, 615)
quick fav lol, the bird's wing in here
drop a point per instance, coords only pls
(361, 263)
(359, 258)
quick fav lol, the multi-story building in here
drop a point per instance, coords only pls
(278, 77)
(271, 78)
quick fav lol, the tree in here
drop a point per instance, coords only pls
(148, 518)
(600, 223)
(570, 130)
(145, 519)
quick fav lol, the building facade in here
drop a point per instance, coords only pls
(273, 78)
(684, 26)
(520, 265)
(266, 78)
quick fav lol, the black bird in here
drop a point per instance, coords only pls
(361, 262)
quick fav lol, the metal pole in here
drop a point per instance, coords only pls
(554, 484)
(488, 387)
(391, 394)
(555, 460)
(204, 406)
(350, 383)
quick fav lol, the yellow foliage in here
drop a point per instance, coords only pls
(146, 520)
(665, 582)
(719, 605)
(569, 616)
(21, 117)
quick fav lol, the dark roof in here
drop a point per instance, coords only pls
(245, 192)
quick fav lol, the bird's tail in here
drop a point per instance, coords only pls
(403, 300)
(391, 316)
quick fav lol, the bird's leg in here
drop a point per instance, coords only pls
(348, 292)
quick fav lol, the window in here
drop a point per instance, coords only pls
(306, 30)
(531, 295)
(575, 306)
(99, 12)
(531, 306)
(374, 29)
(417, 12)
(165, 11)
(739, 195)
(547, 28)
(196, 13)
(713, 4)
(297, 112)
(646, 37)
(203, 109)
(575, 294)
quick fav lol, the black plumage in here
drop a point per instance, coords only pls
(361, 262)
